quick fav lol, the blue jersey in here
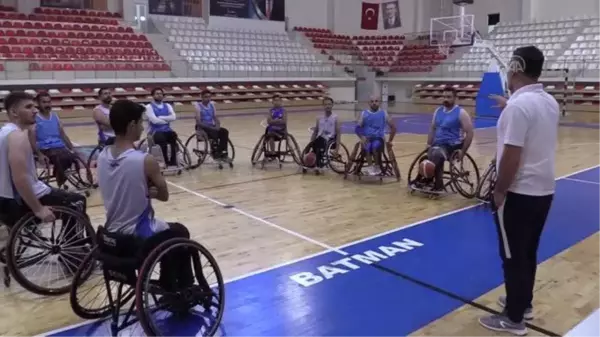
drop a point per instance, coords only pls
(207, 113)
(158, 112)
(373, 123)
(277, 114)
(447, 126)
(47, 132)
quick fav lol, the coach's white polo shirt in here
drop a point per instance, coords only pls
(530, 120)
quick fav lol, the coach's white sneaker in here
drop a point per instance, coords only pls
(527, 315)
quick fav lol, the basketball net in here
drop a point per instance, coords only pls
(444, 48)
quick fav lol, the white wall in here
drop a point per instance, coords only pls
(307, 13)
(226, 22)
(348, 15)
(555, 9)
(510, 10)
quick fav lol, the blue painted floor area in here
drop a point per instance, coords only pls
(417, 124)
(358, 291)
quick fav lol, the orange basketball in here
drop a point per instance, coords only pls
(427, 168)
(310, 159)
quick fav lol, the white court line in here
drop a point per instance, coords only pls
(338, 249)
(582, 181)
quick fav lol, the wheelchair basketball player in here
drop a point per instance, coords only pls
(21, 191)
(160, 115)
(327, 129)
(106, 135)
(207, 121)
(449, 123)
(128, 180)
(50, 141)
(370, 130)
(276, 123)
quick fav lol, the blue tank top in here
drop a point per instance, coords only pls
(207, 113)
(277, 113)
(447, 126)
(124, 189)
(48, 132)
(159, 112)
(374, 123)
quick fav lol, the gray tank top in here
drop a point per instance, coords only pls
(104, 132)
(124, 188)
(327, 126)
(7, 189)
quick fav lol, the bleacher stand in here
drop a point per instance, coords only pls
(227, 52)
(70, 43)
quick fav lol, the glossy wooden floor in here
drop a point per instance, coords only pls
(285, 215)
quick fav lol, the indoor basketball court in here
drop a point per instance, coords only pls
(306, 254)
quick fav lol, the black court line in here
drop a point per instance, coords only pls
(455, 296)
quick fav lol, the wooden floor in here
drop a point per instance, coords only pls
(287, 215)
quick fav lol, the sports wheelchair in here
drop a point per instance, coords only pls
(124, 282)
(286, 146)
(56, 251)
(389, 166)
(457, 176)
(487, 183)
(184, 160)
(334, 156)
(79, 175)
(203, 146)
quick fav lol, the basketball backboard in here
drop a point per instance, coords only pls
(452, 31)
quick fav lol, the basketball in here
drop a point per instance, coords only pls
(310, 159)
(427, 168)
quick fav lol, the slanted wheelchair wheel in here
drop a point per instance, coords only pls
(159, 311)
(293, 148)
(486, 185)
(413, 171)
(91, 160)
(258, 151)
(94, 297)
(186, 159)
(338, 162)
(197, 145)
(57, 250)
(465, 176)
(82, 178)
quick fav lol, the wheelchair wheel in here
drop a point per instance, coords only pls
(185, 160)
(58, 250)
(205, 297)
(81, 177)
(258, 151)
(92, 295)
(291, 148)
(486, 186)
(91, 160)
(413, 171)
(392, 163)
(197, 144)
(465, 176)
(337, 162)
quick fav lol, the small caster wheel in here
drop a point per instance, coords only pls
(317, 172)
(303, 171)
(95, 186)
(65, 187)
(220, 166)
(179, 172)
(230, 165)
(87, 193)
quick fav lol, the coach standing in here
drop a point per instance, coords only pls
(527, 134)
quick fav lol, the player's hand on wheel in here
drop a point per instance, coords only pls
(45, 214)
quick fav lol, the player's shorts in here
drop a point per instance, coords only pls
(373, 145)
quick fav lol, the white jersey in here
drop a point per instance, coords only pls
(7, 189)
(104, 132)
(327, 126)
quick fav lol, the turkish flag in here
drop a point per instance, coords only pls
(370, 16)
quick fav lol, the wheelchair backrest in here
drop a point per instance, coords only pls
(117, 245)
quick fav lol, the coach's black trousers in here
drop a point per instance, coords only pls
(520, 222)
